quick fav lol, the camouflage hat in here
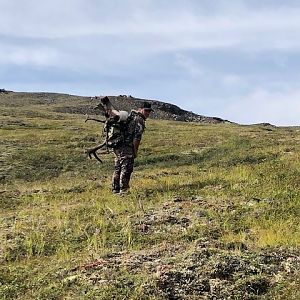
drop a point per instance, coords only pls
(146, 106)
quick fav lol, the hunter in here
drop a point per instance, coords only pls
(127, 151)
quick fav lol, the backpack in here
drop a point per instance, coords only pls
(116, 131)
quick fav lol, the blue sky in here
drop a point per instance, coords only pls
(236, 59)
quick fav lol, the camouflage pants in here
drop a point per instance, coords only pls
(122, 173)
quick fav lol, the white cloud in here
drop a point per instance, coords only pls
(174, 26)
(154, 47)
(233, 81)
(266, 106)
(38, 56)
(189, 65)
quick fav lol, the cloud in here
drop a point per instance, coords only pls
(233, 80)
(99, 33)
(266, 106)
(221, 58)
(38, 56)
(189, 65)
(173, 26)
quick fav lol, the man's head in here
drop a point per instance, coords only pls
(145, 109)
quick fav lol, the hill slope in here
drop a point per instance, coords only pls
(85, 105)
(213, 211)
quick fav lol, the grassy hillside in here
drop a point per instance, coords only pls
(213, 211)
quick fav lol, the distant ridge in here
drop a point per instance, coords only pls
(73, 104)
(163, 110)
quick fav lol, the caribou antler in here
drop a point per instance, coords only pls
(92, 119)
(109, 111)
(93, 151)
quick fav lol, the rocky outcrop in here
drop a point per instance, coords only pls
(4, 91)
(163, 110)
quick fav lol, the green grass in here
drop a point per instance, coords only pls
(57, 211)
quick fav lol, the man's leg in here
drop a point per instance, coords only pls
(116, 175)
(126, 171)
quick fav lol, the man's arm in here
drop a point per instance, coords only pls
(138, 132)
(136, 144)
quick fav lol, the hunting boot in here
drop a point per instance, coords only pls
(116, 184)
(126, 171)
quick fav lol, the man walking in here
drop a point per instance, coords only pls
(127, 151)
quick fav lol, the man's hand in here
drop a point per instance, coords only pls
(136, 144)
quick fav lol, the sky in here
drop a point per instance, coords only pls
(234, 59)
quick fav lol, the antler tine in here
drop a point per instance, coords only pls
(93, 119)
(97, 157)
(92, 151)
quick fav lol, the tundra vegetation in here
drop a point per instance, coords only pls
(213, 211)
